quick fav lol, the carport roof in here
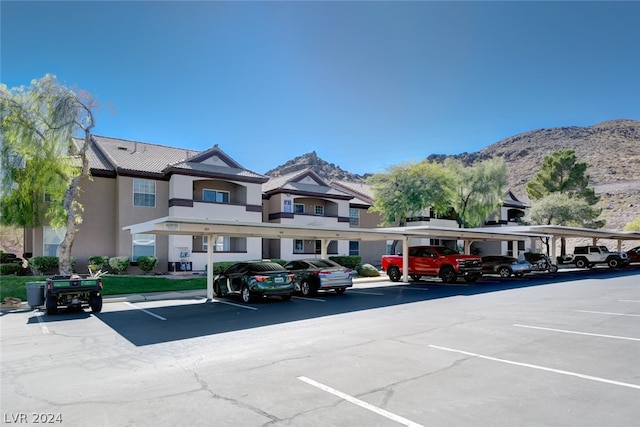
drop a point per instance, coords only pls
(563, 231)
(200, 227)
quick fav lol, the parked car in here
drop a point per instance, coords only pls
(634, 254)
(505, 266)
(313, 275)
(254, 279)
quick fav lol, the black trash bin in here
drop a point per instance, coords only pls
(35, 294)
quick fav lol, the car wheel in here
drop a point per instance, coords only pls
(614, 263)
(504, 272)
(394, 274)
(306, 289)
(340, 291)
(245, 294)
(51, 304)
(448, 274)
(217, 291)
(518, 274)
(415, 277)
(95, 302)
(286, 297)
(581, 263)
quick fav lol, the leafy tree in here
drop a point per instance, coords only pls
(634, 225)
(560, 174)
(40, 158)
(407, 189)
(561, 209)
(478, 190)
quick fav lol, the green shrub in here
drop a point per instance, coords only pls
(100, 262)
(6, 258)
(147, 263)
(9, 269)
(351, 261)
(367, 270)
(42, 265)
(119, 264)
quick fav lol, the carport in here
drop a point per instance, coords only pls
(212, 228)
(560, 231)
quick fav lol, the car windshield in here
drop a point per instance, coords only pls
(266, 266)
(447, 251)
(323, 263)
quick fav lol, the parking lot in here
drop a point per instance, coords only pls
(546, 349)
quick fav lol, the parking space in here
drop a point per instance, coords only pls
(542, 350)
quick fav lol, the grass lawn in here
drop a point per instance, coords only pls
(15, 286)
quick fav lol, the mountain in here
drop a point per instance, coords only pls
(325, 170)
(611, 150)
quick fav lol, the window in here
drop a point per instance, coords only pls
(298, 208)
(319, 210)
(143, 245)
(354, 216)
(144, 193)
(298, 246)
(223, 244)
(51, 240)
(354, 247)
(216, 196)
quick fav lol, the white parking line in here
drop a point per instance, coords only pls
(579, 333)
(542, 368)
(628, 300)
(146, 311)
(605, 312)
(362, 404)
(310, 299)
(409, 288)
(248, 307)
(367, 293)
(43, 327)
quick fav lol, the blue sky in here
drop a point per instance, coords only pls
(365, 84)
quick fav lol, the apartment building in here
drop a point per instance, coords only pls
(134, 182)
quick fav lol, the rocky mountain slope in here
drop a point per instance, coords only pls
(611, 150)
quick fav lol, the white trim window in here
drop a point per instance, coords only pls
(144, 193)
(319, 210)
(354, 216)
(216, 196)
(223, 244)
(143, 245)
(51, 239)
(354, 247)
(298, 246)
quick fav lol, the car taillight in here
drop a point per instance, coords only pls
(291, 277)
(324, 273)
(261, 278)
(347, 271)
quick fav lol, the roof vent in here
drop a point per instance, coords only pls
(122, 148)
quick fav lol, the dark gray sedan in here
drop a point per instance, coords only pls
(255, 279)
(505, 266)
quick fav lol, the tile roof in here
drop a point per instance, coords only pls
(121, 155)
(134, 156)
(363, 192)
(292, 182)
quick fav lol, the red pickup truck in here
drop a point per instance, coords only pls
(434, 261)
